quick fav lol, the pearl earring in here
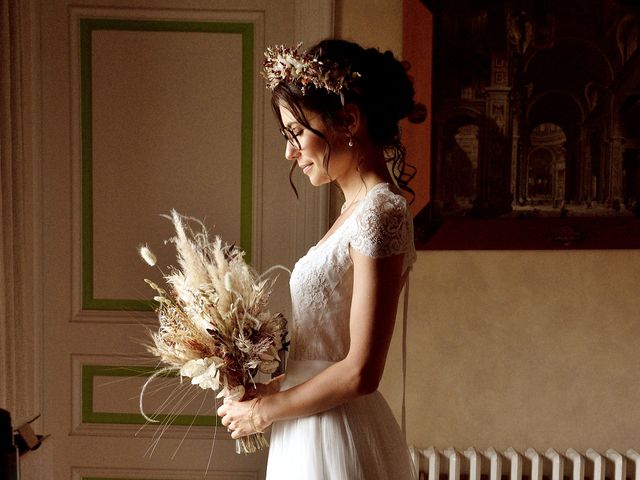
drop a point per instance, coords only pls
(350, 141)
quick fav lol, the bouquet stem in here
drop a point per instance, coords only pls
(251, 443)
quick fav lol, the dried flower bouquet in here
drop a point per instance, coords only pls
(215, 324)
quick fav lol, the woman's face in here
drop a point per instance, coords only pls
(308, 149)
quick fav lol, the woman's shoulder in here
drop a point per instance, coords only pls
(384, 203)
(383, 224)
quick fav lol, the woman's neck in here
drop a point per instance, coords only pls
(371, 171)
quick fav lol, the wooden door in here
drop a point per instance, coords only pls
(148, 106)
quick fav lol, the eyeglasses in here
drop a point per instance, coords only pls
(291, 137)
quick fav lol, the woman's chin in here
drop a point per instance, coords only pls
(318, 181)
(316, 176)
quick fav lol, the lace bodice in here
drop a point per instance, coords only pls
(321, 283)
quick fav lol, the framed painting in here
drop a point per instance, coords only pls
(534, 133)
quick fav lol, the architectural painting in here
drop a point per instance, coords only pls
(536, 109)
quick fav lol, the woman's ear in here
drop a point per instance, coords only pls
(352, 118)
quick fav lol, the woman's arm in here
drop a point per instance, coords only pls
(376, 288)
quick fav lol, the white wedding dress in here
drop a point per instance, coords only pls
(359, 440)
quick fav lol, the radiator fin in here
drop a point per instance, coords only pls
(510, 464)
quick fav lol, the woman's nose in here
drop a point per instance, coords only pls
(291, 152)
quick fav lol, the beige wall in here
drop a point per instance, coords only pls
(525, 349)
(515, 348)
(371, 23)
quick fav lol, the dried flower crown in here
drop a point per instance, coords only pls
(283, 64)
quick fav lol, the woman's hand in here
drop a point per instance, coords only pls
(244, 417)
(263, 389)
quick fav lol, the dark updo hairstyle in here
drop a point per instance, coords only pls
(382, 91)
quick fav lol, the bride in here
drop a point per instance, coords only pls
(338, 106)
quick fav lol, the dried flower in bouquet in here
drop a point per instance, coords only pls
(215, 326)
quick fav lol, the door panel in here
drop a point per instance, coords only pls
(144, 110)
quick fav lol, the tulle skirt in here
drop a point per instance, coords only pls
(359, 440)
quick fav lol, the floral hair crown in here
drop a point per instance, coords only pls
(284, 64)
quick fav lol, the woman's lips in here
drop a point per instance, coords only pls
(305, 168)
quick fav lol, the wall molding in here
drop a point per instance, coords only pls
(85, 27)
(87, 420)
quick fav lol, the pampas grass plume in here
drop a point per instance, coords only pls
(228, 282)
(147, 255)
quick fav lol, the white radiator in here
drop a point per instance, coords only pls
(470, 464)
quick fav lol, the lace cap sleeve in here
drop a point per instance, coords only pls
(383, 227)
